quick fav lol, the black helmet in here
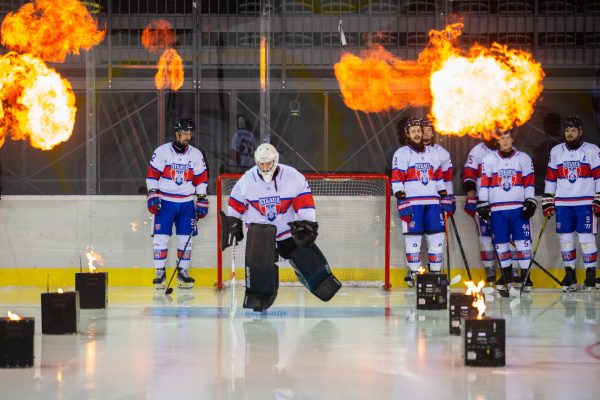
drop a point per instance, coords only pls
(411, 121)
(184, 125)
(573, 121)
(426, 123)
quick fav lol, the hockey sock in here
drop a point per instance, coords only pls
(184, 256)
(435, 249)
(160, 244)
(567, 249)
(413, 251)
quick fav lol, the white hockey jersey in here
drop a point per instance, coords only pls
(285, 199)
(419, 175)
(177, 176)
(573, 175)
(446, 164)
(506, 181)
(474, 159)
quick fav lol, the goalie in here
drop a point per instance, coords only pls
(279, 210)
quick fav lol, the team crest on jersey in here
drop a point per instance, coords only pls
(422, 171)
(507, 178)
(572, 170)
(180, 173)
(270, 207)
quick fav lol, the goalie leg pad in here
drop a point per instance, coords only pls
(313, 271)
(262, 275)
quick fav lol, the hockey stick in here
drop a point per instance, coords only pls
(460, 246)
(233, 304)
(169, 289)
(554, 278)
(535, 249)
(447, 243)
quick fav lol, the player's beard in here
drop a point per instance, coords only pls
(573, 143)
(416, 146)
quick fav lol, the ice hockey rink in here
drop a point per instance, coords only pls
(363, 344)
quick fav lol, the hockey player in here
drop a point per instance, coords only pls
(572, 191)
(418, 186)
(277, 204)
(471, 185)
(507, 202)
(448, 203)
(176, 181)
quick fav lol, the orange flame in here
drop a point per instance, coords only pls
(471, 92)
(377, 81)
(60, 290)
(92, 256)
(420, 270)
(485, 89)
(158, 36)
(263, 64)
(170, 71)
(14, 317)
(479, 301)
(50, 30)
(36, 103)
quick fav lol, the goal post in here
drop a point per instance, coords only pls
(353, 211)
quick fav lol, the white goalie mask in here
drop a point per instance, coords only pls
(266, 154)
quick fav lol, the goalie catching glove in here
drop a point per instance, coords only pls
(304, 232)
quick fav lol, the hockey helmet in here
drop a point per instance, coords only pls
(410, 122)
(426, 123)
(184, 124)
(573, 121)
(266, 153)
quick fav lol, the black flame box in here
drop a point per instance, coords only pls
(60, 313)
(16, 342)
(461, 306)
(92, 288)
(485, 342)
(432, 291)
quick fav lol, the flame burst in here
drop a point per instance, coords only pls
(60, 290)
(92, 256)
(170, 71)
(472, 92)
(50, 30)
(14, 317)
(36, 103)
(157, 36)
(420, 270)
(377, 81)
(479, 301)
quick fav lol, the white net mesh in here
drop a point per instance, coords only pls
(351, 212)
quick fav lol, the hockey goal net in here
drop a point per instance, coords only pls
(354, 229)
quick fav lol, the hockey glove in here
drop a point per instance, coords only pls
(405, 211)
(154, 202)
(471, 206)
(548, 207)
(484, 210)
(304, 232)
(529, 207)
(201, 206)
(596, 204)
(448, 204)
(231, 227)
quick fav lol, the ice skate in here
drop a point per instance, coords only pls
(527, 285)
(409, 278)
(184, 280)
(569, 282)
(590, 278)
(160, 279)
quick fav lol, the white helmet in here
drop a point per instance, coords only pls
(265, 153)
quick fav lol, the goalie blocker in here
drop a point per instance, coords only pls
(262, 274)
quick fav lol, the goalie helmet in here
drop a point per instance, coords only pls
(573, 121)
(266, 153)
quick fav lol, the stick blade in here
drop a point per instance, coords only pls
(169, 291)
